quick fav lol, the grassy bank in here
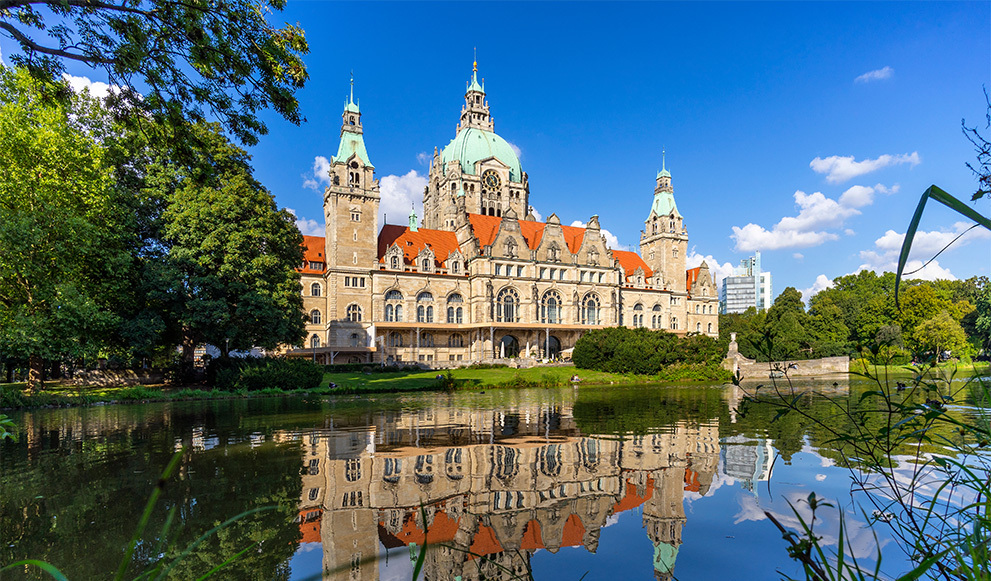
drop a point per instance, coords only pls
(862, 366)
(14, 396)
(356, 382)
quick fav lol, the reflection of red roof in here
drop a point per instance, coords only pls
(485, 542)
(309, 525)
(574, 532)
(442, 242)
(442, 529)
(632, 499)
(313, 247)
(532, 539)
(486, 227)
(692, 275)
(630, 261)
(692, 480)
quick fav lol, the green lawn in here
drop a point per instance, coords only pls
(476, 379)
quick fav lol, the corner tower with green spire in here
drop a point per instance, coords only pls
(479, 172)
(350, 207)
(664, 240)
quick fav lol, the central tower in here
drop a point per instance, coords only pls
(478, 172)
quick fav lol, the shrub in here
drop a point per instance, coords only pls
(257, 373)
(642, 351)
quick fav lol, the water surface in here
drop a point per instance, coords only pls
(631, 483)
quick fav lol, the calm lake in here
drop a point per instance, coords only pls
(600, 482)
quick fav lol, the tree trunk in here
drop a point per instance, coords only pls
(187, 371)
(36, 369)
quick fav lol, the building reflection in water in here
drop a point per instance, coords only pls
(489, 488)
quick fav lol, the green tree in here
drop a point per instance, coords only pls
(193, 58)
(938, 334)
(63, 252)
(232, 259)
(982, 322)
(828, 336)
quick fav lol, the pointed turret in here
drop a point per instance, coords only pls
(663, 193)
(352, 140)
(475, 112)
(412, 219)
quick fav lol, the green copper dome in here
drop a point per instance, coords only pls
(473, 145)
(664, 204)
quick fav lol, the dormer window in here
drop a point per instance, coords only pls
(425, 264)
(395, 263)
(455, 267)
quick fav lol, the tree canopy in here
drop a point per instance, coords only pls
(175, 60)
(63, 253)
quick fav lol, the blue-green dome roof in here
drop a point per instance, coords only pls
(473, 145)
(663, 174)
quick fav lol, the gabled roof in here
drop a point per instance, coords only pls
(692, 275)
(486, 228)
(441, 242)
(630, 261)
(313, 248)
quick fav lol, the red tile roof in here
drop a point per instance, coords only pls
(442, 242)
(631, 499)
(486, 228)
(630, 261)
(692, 275)
(313, 248)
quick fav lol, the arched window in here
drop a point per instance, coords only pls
(550, 308)
(455, 312)
(315, 289)
(315, 317)
(355, 340)
(427, 340)
(638, 315)
(314, 341)
(710, 309)
(507, 306)
(425, 265)
(656, 322)
(395, 263)
(455, 267)
(698, 327)
(709, 330)
(696, 309)
(456, 340)
(354, 313)
(393, 306)
(395, 339)
(337, 180)
(590, 310)
(424, 310)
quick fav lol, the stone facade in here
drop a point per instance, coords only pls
(481, 279)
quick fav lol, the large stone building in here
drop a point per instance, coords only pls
(481, 278)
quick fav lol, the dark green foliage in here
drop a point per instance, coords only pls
(257, 373)
(642, 351)
(365, 368)
(190, 59)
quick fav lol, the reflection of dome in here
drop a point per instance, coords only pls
(473, 145)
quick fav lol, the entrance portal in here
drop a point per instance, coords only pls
(508, 347)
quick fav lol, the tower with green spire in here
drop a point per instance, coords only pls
(350, 206)
(664, 240)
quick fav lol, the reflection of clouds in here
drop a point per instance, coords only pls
(820, 477)
(398, 567)
(858, 538)
(749, 509)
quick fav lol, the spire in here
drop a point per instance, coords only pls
(664, 173)
(350, 105)
(412, 218)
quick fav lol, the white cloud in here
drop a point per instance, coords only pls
(839, 169)
(398, 194)
(860, 196)
(308, 227)
(319, 175)
(719, 270)
(798, 256)
(925, 245)
(97, 89)
(424, 158)
(875, 75)
(611, 240)
(817, 212)
(536, 214)
(820, 283)
(516, 149)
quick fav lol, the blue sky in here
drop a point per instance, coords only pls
(805, 130)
